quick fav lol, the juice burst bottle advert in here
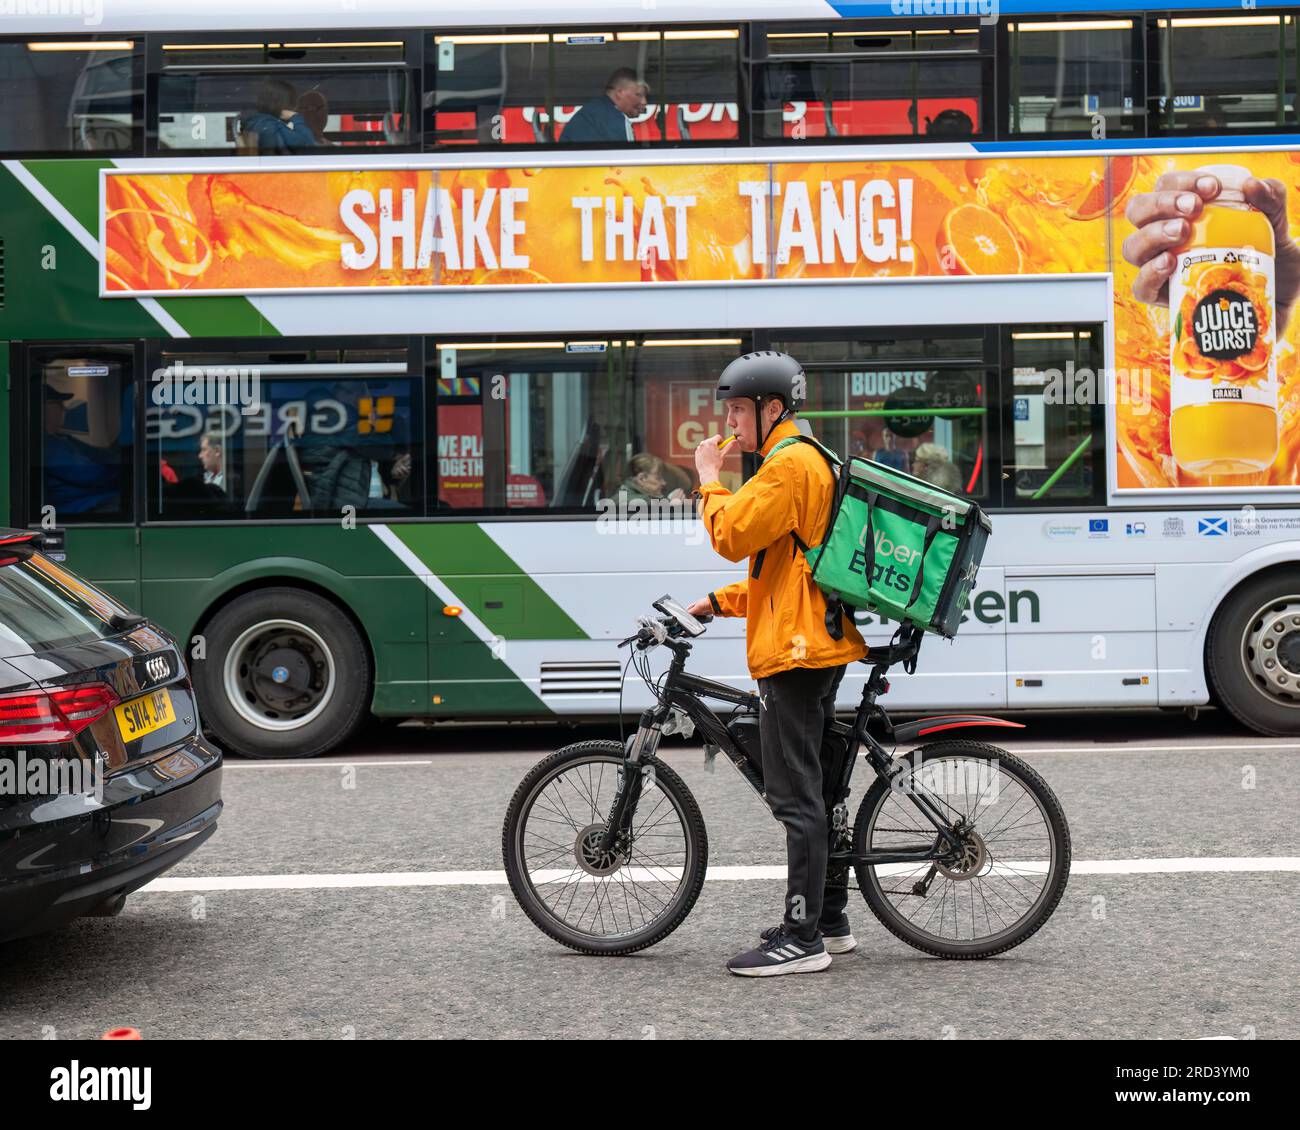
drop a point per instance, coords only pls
(1223, 373)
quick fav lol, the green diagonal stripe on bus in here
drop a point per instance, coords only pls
(72, 309)
(218, 316)
(75, 185)
(469, 562)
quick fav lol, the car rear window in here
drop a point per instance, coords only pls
(43, 606)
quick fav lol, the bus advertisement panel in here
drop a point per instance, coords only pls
(1207, 398)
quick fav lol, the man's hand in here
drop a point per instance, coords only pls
(702, 607)
(1164, 217)
(708, 459)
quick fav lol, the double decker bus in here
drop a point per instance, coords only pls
(326, 349)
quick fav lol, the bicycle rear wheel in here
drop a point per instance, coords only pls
(618, 903)
(1003, 882)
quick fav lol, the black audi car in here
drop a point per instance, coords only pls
(106, 779)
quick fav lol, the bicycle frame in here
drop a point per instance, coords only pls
(686, 692)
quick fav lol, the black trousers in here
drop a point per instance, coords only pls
(795, 706)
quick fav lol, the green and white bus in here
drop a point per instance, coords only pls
(311, 353)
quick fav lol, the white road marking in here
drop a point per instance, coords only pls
(1264, 745)
(1208, 865)
(320, 763)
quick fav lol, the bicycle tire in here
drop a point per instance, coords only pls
(697, 852)
(1054, 889)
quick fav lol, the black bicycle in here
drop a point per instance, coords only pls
(960, 848)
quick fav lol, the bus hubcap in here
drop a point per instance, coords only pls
(279, 674)
(1271, 650)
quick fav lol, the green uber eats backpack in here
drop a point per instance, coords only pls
(895, 545)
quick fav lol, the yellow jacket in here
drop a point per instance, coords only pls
(785, 611)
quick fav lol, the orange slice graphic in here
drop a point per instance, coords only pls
(979, 242)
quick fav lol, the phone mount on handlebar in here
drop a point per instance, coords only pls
(669, 607)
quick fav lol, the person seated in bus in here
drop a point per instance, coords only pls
(949, 123)
(889, 453)
(931, 462)
(609, 117)
(80, 477)
(646, 481)
(276, 123)
(315, 110)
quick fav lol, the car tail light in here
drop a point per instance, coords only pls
(53, 716)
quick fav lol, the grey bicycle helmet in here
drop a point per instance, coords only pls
(762, 374)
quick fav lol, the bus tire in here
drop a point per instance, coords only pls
(1252, 653)
(285, 673)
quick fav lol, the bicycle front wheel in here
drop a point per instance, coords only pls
(603, 903)
(1000, 884)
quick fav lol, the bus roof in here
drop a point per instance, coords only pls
(82, 17)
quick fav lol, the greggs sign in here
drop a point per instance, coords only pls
(258, 232)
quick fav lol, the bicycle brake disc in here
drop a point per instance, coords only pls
(586, 850)
(969, 861)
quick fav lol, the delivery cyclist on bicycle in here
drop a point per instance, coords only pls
(791, 654)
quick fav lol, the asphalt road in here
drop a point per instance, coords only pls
(327, 949)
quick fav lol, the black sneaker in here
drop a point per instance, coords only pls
(781, 953)
(838, 938)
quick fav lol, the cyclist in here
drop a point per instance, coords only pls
(794, 658)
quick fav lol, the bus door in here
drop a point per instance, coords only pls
(73, 431)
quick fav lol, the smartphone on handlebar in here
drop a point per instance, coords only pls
(669, 607)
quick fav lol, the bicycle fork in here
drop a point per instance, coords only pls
(637, 766)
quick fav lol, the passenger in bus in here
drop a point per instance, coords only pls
(646, 480)
(609, 117)
(276, 123)
(949, 123)
(889, 453)
(315, 110)
(931, 462)
(80, 477)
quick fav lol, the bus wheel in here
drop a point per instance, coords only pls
(286, 674)
(1252, 654)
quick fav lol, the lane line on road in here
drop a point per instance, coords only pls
(356, 761)
(1263, 746)
(206, 883)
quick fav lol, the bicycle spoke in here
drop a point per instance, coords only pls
(602, 896)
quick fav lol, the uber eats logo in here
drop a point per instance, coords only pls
(895, 565)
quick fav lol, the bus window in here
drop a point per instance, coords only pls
(916, 404)
(80, 434)
(877, 80)
(1074, 75)
(265, 98)
(675, 408)
(1227, 72)
(305, 434)
(525, 426)
(1054, 444)
(595, 88)
(70, 95)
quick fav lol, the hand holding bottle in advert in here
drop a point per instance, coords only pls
(1213, 244)
(1163, 220)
